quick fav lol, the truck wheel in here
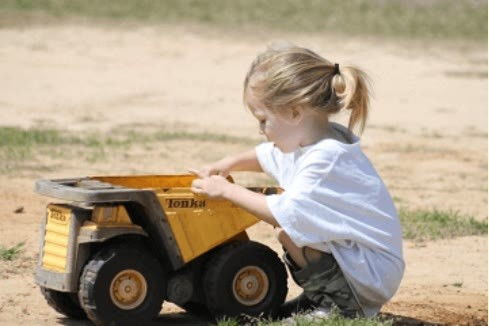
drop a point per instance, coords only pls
(245, 278)
(64, 302)
(122, 285)
(196, 308)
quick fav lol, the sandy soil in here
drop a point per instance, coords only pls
(427, 137)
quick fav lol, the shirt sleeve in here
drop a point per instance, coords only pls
(266, 155)
(299, 211)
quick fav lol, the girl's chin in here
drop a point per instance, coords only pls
(285, 149)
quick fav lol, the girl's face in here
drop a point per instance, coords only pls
(276, 126)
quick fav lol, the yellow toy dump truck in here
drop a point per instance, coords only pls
(120, 246)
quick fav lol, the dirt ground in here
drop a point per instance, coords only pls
(427, 136)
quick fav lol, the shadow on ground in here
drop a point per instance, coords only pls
(177, 319)
(408, 321)
(185, 319)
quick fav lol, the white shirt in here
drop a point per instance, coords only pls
(335, 201)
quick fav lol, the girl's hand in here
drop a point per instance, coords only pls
(214, 186)
(222, 168)
(218, 187)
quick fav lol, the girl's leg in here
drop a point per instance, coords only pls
(300, 303)
(321, 278)
(298, 253)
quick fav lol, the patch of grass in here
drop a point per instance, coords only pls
(435, 19)
(397, 199)
(472, 132)
(17, 137)
(164, 135)
(228, 322)
(479, 74)
(458, 284)
(202, 136)
(9, 254)
(421, 149)
(388, 128)
(421, 225)
(301, 320)
(19, 146)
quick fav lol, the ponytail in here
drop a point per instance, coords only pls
(288, 76)
(352, 86)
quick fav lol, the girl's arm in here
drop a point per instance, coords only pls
(218, 187)
(246, 161)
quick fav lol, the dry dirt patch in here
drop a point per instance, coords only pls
(428, 142)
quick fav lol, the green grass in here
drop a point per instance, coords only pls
(9, 254)
(300, 320)
(421, 225)
(15, 137)
(19, 146)
(457, 284)
(434, 19)
(16, 143)
(134, 136)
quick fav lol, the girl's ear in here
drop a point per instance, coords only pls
(296, 115)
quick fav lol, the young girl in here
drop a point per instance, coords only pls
(338, 225)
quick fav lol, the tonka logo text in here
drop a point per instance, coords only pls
(185, 203)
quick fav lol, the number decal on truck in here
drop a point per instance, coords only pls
(57, 215)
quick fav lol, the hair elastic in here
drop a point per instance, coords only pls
(336, 70)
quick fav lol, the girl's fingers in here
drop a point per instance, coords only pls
(202, 173)
(223, 174)
(196, 187)
(196, 183)
(196, 190)
(194, 172)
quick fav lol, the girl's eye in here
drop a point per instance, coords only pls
(262, 122)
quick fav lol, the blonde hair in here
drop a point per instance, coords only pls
(289, 76)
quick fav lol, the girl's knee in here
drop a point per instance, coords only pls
(286, 241)
(291, 248)
(282, 236)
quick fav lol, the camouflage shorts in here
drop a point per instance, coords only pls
(325, 285)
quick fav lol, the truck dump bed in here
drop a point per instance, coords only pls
(175, 218)
(198, 223)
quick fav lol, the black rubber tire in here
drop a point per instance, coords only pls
(195, 308)
(224, 266)
(64, 302)
(96, 278)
